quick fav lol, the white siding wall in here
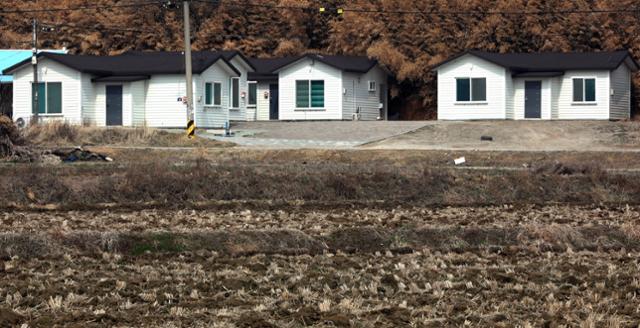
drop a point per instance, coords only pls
(88, 97)
(138, 102)
(162, 106)
(510, 95)
(621, 98)
(471, 66)
(519, 98)
(48, 71)
(358, 96)
(567, 110)
(127, 105)
(369, 101)
(310, 70)
(349, 101)
(556, 84)
(212, 116)
(262, 110)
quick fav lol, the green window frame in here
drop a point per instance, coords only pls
(217, 94)
(310, 94)
(252, 97)
(235, 92)
(208, 94)
(584, 89)
(49, 97)
(213, 94)
(471, 89)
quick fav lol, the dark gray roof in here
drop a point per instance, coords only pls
(148, 63)
(356, 64)
(265, 66)
(227, 54)
(553, 61)
(121, 78)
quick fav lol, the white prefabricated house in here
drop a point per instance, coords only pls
(478, 85)
(320, 87)
(133, 89)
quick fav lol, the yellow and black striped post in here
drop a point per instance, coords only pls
(191, 129)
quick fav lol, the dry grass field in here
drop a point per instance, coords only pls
(500, 266)
(224, 237)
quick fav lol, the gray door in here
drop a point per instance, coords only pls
(532, 99)
(114, 105)
(273, 102)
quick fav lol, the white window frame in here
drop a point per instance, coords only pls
(311, 108)
(213, 94)
(249, 96)
(584, 91)
(46, 98)
(372, 86)
(471, 101)
(231, 93)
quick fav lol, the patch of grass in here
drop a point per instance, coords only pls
(158, 243)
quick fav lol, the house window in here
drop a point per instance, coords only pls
(584, 90)
(49, 98)
(372, 86)
(471, 89)
(309, 94)
(235, 92)
(212, 94)
(253, 94)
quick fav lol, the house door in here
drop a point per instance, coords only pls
(273, 101)
(532, 99)
(114, 105)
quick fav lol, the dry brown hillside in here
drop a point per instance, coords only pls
(407, 43)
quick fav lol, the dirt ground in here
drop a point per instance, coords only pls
(520, 136)
(327, 130)
(475, 281)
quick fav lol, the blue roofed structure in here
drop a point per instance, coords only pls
(10, 57)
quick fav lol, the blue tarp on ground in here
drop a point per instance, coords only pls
(11, 57)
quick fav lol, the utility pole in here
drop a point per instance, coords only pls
(34, 63)
(191, 127)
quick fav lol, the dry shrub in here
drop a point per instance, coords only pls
(12, 145)
(288, 47)
(59, 132)
(560, 168)
(178, 185)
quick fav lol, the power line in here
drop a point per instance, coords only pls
(85, 7)
(339, 10)
(97, 28)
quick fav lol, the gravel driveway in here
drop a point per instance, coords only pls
(318, 134)
(440, 135)
(519, 136)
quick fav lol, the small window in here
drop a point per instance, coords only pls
(253, 94)
(309, 94)
(584, 90)
(217, 94)
(49, 98)
(471, 89)
(235, 92)
(372, 86)
(212, 94)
